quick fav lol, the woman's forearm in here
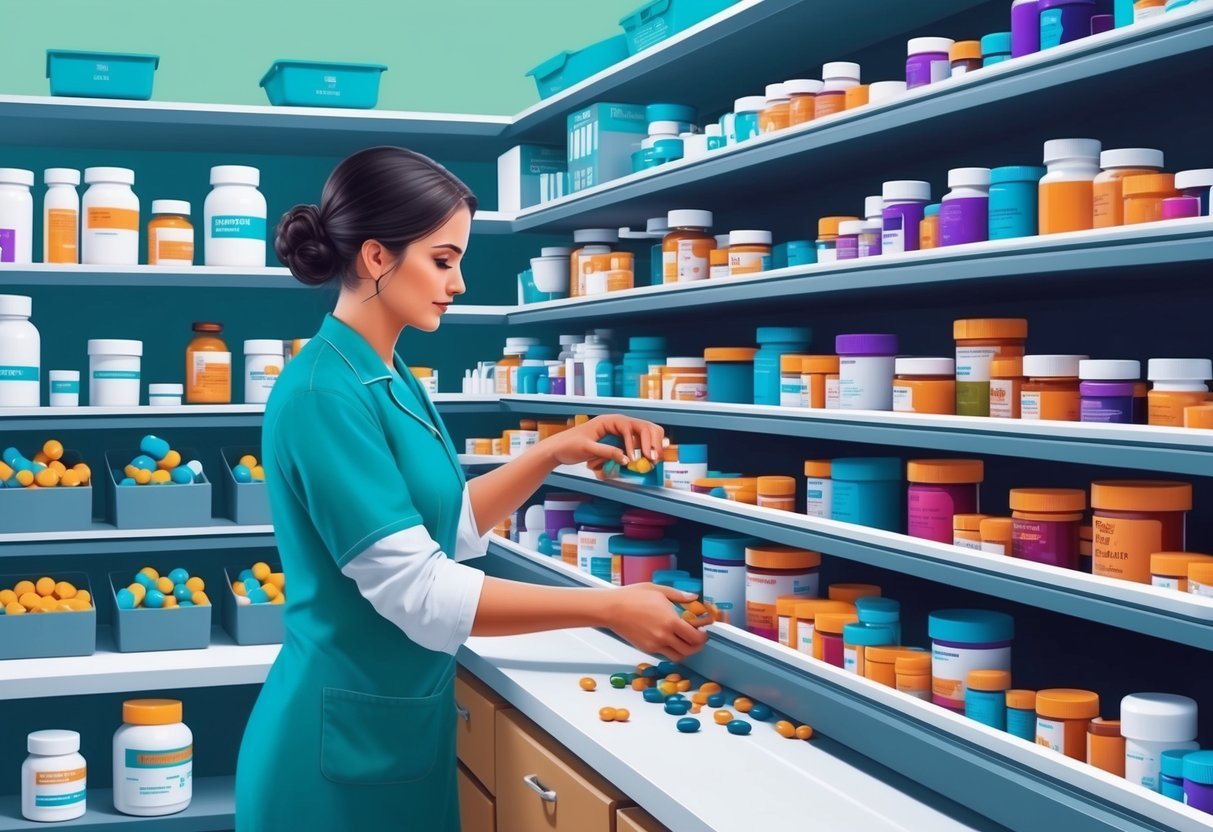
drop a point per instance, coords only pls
(509, 608)
(498, 494)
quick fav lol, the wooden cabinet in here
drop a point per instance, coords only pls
(477, 811)
(635, 819)
(475, 740)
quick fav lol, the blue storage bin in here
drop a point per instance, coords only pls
(49, 635)
(47, 509)
(323, 84)
(143, 630)
(252, 623)
(247, 503)
(155, 506)
(568, 69)
(657, 20)
(101, 74)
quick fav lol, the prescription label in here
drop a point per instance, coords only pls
(57, 789)
(113, 219)
(156, 778)
(61, 243)
(1122, 548)
(950, 668)
(1051, 733)
(237, 227)
(173, 246)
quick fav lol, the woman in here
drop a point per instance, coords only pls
(355, 726)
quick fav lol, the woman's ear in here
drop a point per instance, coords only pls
(374, 259)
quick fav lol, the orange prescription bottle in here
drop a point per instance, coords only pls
(856, 96)
(1132, 520)
(837, 77)
(924, 385)
(1062, 717)
(170, 236)
(819, 381)
(1105, 746)
(515, 349)
(1179, 383)
(1006, 386)
(208, 366)
(913, 673)
(777, 114)
(1144, 195)
(777, 492)
(1118, 164)
(749, 252)
(980, 341)
(928, 227)
(1199, 416)
(1052, 388)
(1067, 192)
(686, 251)
(589, 241)
(802, 94)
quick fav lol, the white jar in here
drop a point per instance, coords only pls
(839, 75)
(1152, 723)
(20, 354)
(64, 388)
(16, 216)
(882, 91)
(114, 372)
(61, 216)
(234, 215)
(165, 395)
(111, 218)
(262, 364)
(53, 777)
(153, 759)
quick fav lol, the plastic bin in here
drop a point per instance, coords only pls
(319, 84)
(155, 506)
(567, 69)
(247, 503)
(101, 74)
(47, 509)
(143, 630)
(254, 623)
(657, 20)
(47, 635)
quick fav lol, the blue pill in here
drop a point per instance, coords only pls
(716, 700)
(145, 462)
(186, 604)
(22, 464)
(182, 475)
(182, 592)
(126, 599)
(242, 473)
(688, 725)
(147, 580)
(251, 583)
(666, 668)
(178, 576)
(258, 596)
(719, 492)
(678, 697)
(739, 727)
(676, 707)
(649, 673)
(653, 695)
(127, 481)
(38, 467)
(760, 712)
(154, 599)
(154, 447)
(11, 455)
(247, 575)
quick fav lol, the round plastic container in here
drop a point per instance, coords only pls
(170, 235)
(986, 697)
(847, 243)
(777, 492)
(802, 95)
(165, 395)
(234, 216)
(633, 561)
(904, 207)
(64, 388)
(1105, 746)
(724, 574)
(208, 366)
(881, 662)
(53, 777)
(1063, 21)
(1198, 781)
(928, 229)
(856, 96)
(1144, 196)
(1109, 391)
(687, 246)
(1051, 390)
(61, 216)
(777, 113)
(1006, 387)
(819, 488)
(1117, 165)
(1180, 207)
(857, 637)
(773, 343)
(773, 572)
(1179, 383)
(597, 524)
(791, 381)
(940, 489)
(1025, 31)
(153, 759)
(691, 465)
(642, 524)
(1133, 519)
(110, 228)
(1152, 723)
(1197, 183)
(964, 214)
(924, 385)
(828, 229)
(873, 609)
(965, 57)
(837, 78)
(928, 61)
(881, 91)
(806, 612)
(1171, 773)
(913, 674)
(16, 216)
(1045, 523)
(747, 117)
(867, 492)
(819, 381)
(559, 511)
(866, 366)
(1021, 714)
(995, 48)
(20, 353)
(996, 534)
(1067, 191)
(1062, 716)
(114, 372)
(1169, 570)
(730, 374)
(749, 252)
(966, 530)
(1013, 201)
(828, 645)
(964, 641)
(262, 364)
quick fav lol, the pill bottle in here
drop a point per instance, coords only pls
(1152, 723)
(1146, 9)
(64, 388)
(927, 61)
(642, 352)
(718, 263)
(819, 488)
(802, 103)
(881, 91)
(1006, 387)
(1133, 519)
(1062, 716)
(1178, 383)
(964, 214)
(1109, 391)
(692, 464)
(614, 272)
(633, 561)
(1025, 27)
(880, 663)
(1117, 165)
(773, 343)
(208, 366)
(114, 372)
(1063, 21)
(1197, 183)
(867, 492)
(724, 574)
(262, 364)
(170, 236)
(904, 207)
(870, 232)
(837, 78)
(771, 572)
(1199, 416)
(747, 119)
(1051, 390)
(995, 48)
(61, 216)
(856, 97)
(978, 342)
(1180, 207)
(996, 535)
(865, 371)
(1021, 714)
(965, 56)
(1045, 523)
(986, 697)
(1144, 196)
(928, 229)
(597, 523)
(1198, 781)
(234, 218)
(1169, 570)
(851, 593)
(587, 243)
(684, 379)
(846, 246)
(53, 777)
(963, 641)
(515, 349)
(913, 675)
(165, 395)
(966, 530)
(819, 381)
(16, 216)
(1014, 195)
(785, 614)
(1086, 549)
(1105, 746)
(873, 609)
(828, 645)
(153, 759)
(687, 247)
(776, 114)
(857, 637)
(939, 490)
(777, 492)
(558, 512)
(791, 380)
(110, 234)
(1171, 773)
(806, 612)
(1067, 192)
(924, 385)
(749, 252)
(569, 546)
(827, 238)
(20, 354)
(730, 374)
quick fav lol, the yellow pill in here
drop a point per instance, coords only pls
(150, 572)
(195, 584)
(50, 603)
(641, 466)
(640, 683)
(248, 461)
(69, 479)
(699, 698)
(200, 599)
(804, 732)
(23, 587)
(142, 476)
(785, 729)
(271, 591)
(170, 601)
(58, 467)
(674, 677)
(47, 478)
(710, 688)
(261, 571)
(41, 458)
(14, 608)
(165, 585)
(587, 683)
(281, 599)
(80, 606)
(6, 472)
(7, 596)
(278, 579)
(53, 449)
(139, 591)
(130, 471)
(64, 591)
(742, 704)
(65, 606)
(84, 471)
(722, 717)
(258, 473)
(84, 596)
(160, 477)
(238, 588)
(26, 478)
(668, 688)
(171, 460)
(606, 714)
(622, 714)
(684, 686)
(45, 586)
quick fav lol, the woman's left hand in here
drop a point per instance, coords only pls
(584, 442)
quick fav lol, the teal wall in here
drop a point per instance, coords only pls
(444, 56)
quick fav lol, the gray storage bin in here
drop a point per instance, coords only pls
(254, 623)
(47, 509)
(158, 506)
(49, 635)
(142, 630)
(247, 503)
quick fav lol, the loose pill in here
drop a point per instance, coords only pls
(760, 712)
(258, 596)
(586, 682)
(23, 587)
(84, 596)
(696, 708)
(665, 668)
(640, 683)
(642, 667)
(270, 591)
(677, 707)
(619, 680)
(684, 686)
(64, 591)
(58, 467)
(144, 462)
(7, 596)
(649, 672)
(238, 588)
(699, 697)
(142, 477)
(148, 581)
(688, 725)
(258, 474)
(195, 466)
(278, 579)
(743, 704)
(154, 599)
(126, 599)
(154, 447)
(171, 460)
(199, 598)
(606, 714)
(653, 695)
(45, 586)
(676, 696)
(47, 478)
(716, 700)
(261, 571)
(185, 603)
(674, 677)
(710, 687)
(25, 478)
(139, 591)
(53, 449)
(722, 717)
(804, 732)
(668, 688)
(178, 576)
(170, 602)
(740, 727)
(785, 729)
(69, 479)
(622, 714)
(242, 474)
(281, 599)
(31, 601)
(84, 471)
(165, 585)
(182, 593)
(195, 584)
(14, 608)
(182, 475)
(161, 477)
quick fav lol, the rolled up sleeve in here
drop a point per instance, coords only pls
(470, 543)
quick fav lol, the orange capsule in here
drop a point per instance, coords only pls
(607, 714)
(742, 704)
(200, 600)
(587, 683)
(699, 697)
(83, 595)
(804, 732)
(53, 449)
(165, 585)
(696, 607)
(691, 618)
(722, 717)
(238, 588)
(696, 708)
(684, 686)
(23, 587)
(45, 586)
(785, 729)
(170, 601)
(668, 688)
(710, 687)
(640, 683)
(69, 479)
(642, 667)
(64, 591)
(674, 677)
(622, 714)
(14, 608)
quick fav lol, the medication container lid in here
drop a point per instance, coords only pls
(784, 335)
(555, 251)
(1052, 366)
(1176, 563)
(599, 514)
(968, 329)
(665, 128)
(969, 178)
(621, 545)
(1048, 500)
(750, 104)
(1198, 767)
(817, 468)
(17, 306)
(873, 206)
(879, 91)
(989, 680)
(262, 346)
(809, 608)
(1067, 703)
(235, 175)
(1021, 700)
(118, 176)
(906, 190)
(867, 469)
(1201, 178)
(778, 486)
(1148, 183)
(866, 344)
(802, 86)
(171, 206)
(828, 226)
(604, 236)
(727, 546)
(1109, 369)
(1162, 717)
(647, 343)
(920, 46)
(1187, 369)
(851, 228)
(971, 626)
(945, 471)
(17, 176)
(688, 218)
(693, 454)
(683, 113)
(965, 50)
(996, 43)
(1131, 157)
(115, 346)
(968, 522)
(866, 635)
(817, 364)
(729, 354)
(995, 528)
(925, 366)
(1171, 762)
(840, 70)
(878, 610)
(152, 711)
(913, 665)
(777, 92)
(61, 176)
(750, 238)
(772, 556)
(1059, 150)
(53, 742)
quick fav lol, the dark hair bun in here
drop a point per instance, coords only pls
(305, 247)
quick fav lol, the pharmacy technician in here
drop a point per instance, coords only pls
(355, 726)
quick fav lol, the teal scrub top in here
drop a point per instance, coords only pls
(355, 725)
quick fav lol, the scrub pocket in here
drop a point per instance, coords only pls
(375, 740)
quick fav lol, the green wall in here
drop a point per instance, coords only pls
(443, 55)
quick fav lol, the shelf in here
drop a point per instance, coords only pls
(36, 275)
(212, 809)
(1148, 448)
(483, 460)
(115, 418)
(105, 539)
(1175, 616)
(1004, 778)
(457, 403)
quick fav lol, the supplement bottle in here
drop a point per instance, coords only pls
(966, 531)
(588, 242)
(772, 572)
(110, 232)
(64, 388)
(234, 216)
(749, 252)
(964, 641)
(16, 216)
(881, 91)
(837, 78)
(819, 380)
(510, 361)
(1105, 746)
(1144, 196)
(986, 697)
(924, 385)
(965, 57)
(1117, 165)
(904, 205)
(1063, 21)
(208, 366)
(53, 777)
(747, 119)
(913, 675)
(865, 371)
(996, 535)
(724, 574)
(170, 236)
(856, 96)
(1132, 520)
(115, 369)
(1152, 723)
(718, 263)
(819, 488)
(939, 490)
(1171, 773)
(828, 628)
(995, 48)
(1178, 383)
(827, 238)
(1045, 523)
(153, 759)
(802, 94)
(867, 492)
(686, 249)
(1197, 183)
(1006, 387)
(1025, 35)
(774, 342)
(857, 637)
(20, 354)
(262, 364)
(880, 663)
(776, 115)
(597, 524)
(872, 609)
(927, 61)
(791, 381)
(1109, 390)
(691, 465)
(1169, 570)
(1021, 714)
(1062, 716)
(1198, 781)
(643, 351)
(165, 395)
(61, 216)
(777, 492)
(1067, 191)
(1052, 388)
(731, 374)
(964, 214)
(846, 246)
(1014, 192)
(978, 342)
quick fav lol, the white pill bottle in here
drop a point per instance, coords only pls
(234, 214)
(153, 759)
(110, 234)
(53, 777)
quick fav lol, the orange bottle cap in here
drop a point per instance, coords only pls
(968, 329)
(945, 471)
(782, 557)
(1201, 572)
(1101, 727)
(807, 609)
(732, 354)
(828, 226)
(670, 454)
(914, 665)
(1021, 700)
(1141, 495)
(151, 711)
(1176, 564)
(995, 528)
(852, 592)
(791, 364)
(786, 605)
(968, 522)
(964, 50)
(817, 364)
(889, 655)
(817, 468)
(1146, 184)
(834, 622)
(1048, 500)
(777, 486)
(1067, 703)
(989, 679)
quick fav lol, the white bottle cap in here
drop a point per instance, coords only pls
(873, 207)
(879, 91)
(722, 241)
(850, 227)
(776, 93)
(665, 128)
(750, 104)
(534, 518)
(171, 206)
(1131, 157)
(840, 70)
(657, 225)
(691, 362)
(919, 46)
(1180, 369)
(235, 175)
(118, 176)
(686, 218)
(166, 389)
(1200, 178)
(1052, 366)
(555, 251)
(19, 306)
(925, 366)
(61, 176)
(570, 340)
(902, 190)
(17, 176)
(802, 86)
(969, 178)
(713, 130)
(1109, 369)
(521, 342)
(262, 346)
(749, 238)
(604, 236)
(64, 375)
(1158, 717)
(53, 743)
(115, 346)
(1058, 149)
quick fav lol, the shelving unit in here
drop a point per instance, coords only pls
(212, 809)
(105, 539)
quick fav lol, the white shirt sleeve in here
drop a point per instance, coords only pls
(411, 582)
(469, 542)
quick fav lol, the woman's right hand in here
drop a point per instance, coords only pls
(644, 616)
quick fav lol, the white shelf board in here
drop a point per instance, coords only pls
(106, 532)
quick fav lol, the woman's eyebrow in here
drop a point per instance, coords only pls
(451, 246)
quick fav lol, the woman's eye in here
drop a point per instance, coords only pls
(442, 264)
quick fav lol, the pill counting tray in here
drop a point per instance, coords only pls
(155, 507)
(250, 623)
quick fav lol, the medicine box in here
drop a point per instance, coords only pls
(246, 503)
(568, 69)
(58, 509)
(144, 629)
(45, 635)
(601, 140)
(101, 74)
(250, 623)
(529, 175)
(320, 84)
(155, 506)
(657, 20)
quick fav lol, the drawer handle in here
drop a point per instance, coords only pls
(463, 712)
(532, 781)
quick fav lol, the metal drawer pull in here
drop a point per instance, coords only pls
(463, 712)
(532, 781)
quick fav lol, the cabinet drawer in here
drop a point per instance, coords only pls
(575, 800)
(475, 731)
(636, 819)
(476, 810)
